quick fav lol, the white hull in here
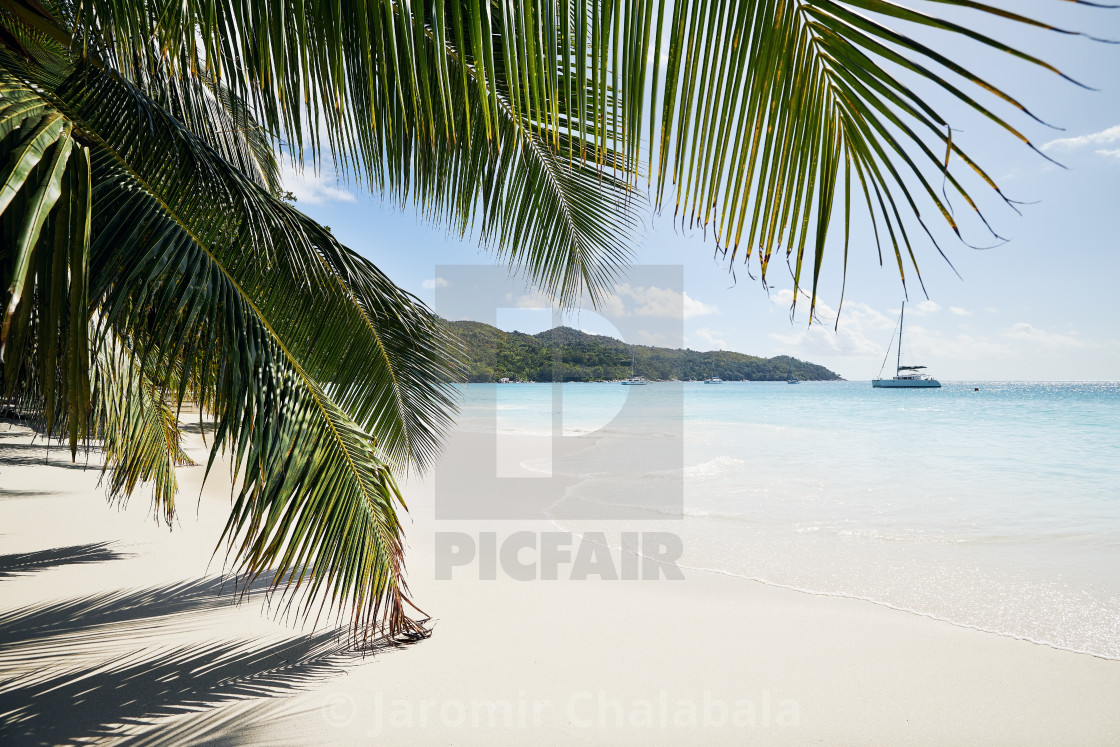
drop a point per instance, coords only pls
(905, 383)
(913, 378)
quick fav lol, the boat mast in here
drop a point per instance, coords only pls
(898, 365)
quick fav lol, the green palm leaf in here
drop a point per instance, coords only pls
(420, 109)
(760, 110)
(794, 100)
(275, 345)
(191, 286)
(134, 420)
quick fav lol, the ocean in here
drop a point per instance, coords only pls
(996, 509)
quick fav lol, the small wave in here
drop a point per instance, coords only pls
(876, 601)
(712, 467)
(908, 610)
(514, 431)
(540, 466)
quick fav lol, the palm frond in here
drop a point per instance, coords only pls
(770, 110)
(214, 114)
(134, 420)
(276, 342)
(297, 339)
(420, 104)
(751, 114)
(44, 220)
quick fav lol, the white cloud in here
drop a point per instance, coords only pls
(534, 300)
(433, 283)
(660, 302)
(863, 330)
(1042, 338)
(1109, 153)
(693, 307)
(857, 348)
(659, 339)
(1104, 137)
(626, 301)
(612, 306)
(866, 332)
(708, 340)
(784, 297)
(312, 188)
(930, 346)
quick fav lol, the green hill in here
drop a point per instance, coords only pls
(492, 354)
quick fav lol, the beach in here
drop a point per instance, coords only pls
(114, 628)
(512, 455)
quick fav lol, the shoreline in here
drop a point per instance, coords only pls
(905, 610)
(847, 670)
(856, 597)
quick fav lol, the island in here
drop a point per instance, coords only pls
(565, 354)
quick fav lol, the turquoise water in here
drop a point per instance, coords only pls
(997, 509)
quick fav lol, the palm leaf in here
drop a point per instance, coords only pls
(421, 107)
(134, 419)
(45, 226)
(183, 283)
(771, 108)
(50, 132)
(185, 279)
(735, 127)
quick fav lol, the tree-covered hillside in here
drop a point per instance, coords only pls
(492, 354)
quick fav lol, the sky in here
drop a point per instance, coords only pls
(1038, 307)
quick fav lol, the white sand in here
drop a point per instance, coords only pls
(707, 660)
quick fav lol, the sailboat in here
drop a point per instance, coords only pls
(633, 380)
(905, 377)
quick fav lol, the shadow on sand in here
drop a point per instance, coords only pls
(40, 560)
(7, 493)
(22, 454)
(50, 701)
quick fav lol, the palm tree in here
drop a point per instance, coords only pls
(149, 256)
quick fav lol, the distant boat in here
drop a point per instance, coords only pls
(793, 381)
(633, 380)
(905, 377)
(713, 380)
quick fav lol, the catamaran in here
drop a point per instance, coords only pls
(713, 380)
(633, 380)
(905, 377)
